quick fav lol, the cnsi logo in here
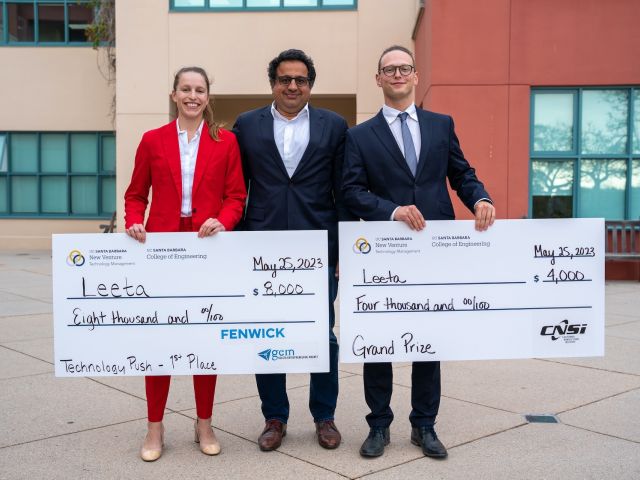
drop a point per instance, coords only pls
(273, 354)
(362, 245)
(75, 258)
(564, 330)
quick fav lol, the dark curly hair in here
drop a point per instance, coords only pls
(291, 55)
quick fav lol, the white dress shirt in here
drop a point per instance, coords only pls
(188, 156)
(291, 136)
(391, 116)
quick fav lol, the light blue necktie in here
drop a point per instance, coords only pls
(409, 149)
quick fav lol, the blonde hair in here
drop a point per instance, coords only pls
(207, 115)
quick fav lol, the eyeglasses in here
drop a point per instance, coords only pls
(300, 81)
(390, 70)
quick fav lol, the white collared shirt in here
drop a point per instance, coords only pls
(291, 136)
(391, 116)
(188, 156)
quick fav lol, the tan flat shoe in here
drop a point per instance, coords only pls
(212, 448)
(152, 454)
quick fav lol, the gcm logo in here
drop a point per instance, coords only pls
(75, 258)
(362, 246)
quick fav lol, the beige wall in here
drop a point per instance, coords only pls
(153, 43)
(51, 89)
(236, 47)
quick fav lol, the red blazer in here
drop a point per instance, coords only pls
(218, 184)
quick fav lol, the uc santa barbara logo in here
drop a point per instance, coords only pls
(75, 258)
(362, 245)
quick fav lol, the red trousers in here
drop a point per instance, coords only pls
(157, 387)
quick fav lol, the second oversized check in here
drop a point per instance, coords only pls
(238, 302)
(522, 289)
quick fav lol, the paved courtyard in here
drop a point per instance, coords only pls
(92, 427)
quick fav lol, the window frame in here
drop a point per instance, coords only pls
(6, 42)
(244, 8)
(576, 154)
(100, 174)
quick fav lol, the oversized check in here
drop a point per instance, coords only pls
(237, 302)
(522, 289)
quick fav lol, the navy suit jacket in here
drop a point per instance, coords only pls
(311, 198)
(377, 178)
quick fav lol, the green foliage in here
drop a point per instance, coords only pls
(102, 31)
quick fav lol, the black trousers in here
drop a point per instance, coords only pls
(425, 393)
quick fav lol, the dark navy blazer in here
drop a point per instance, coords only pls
(310, 199)
(377, 179)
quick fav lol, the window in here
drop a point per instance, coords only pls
(44, 22)
(234, 5)
(57, 174)
(585, 153)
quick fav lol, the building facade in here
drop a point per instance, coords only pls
(57, 132)
(57, 144)
(546, 98)
(545, 94)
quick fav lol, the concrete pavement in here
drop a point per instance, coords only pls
(92, 428)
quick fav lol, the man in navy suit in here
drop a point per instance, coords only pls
(396, 168)
(292, 157)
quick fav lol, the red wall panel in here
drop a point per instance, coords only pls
(575, 42)
(480, 114)
(470, 40)
(478, 60)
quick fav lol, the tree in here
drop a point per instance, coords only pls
(102, 33)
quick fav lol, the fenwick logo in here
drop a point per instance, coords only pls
(563, 329)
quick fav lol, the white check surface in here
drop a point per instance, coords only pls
(237, 302)
(522, 289)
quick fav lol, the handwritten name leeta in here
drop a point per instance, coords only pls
(409, 344)
(387, 277)
(116, 290)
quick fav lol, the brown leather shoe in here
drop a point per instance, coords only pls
(271, 436)
(328, 434)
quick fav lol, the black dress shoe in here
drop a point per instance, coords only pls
(374, 445)
(426, 438)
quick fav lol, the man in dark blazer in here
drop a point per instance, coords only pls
(396, 168)
(292, 157)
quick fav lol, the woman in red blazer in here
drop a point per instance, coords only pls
(194, 170)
